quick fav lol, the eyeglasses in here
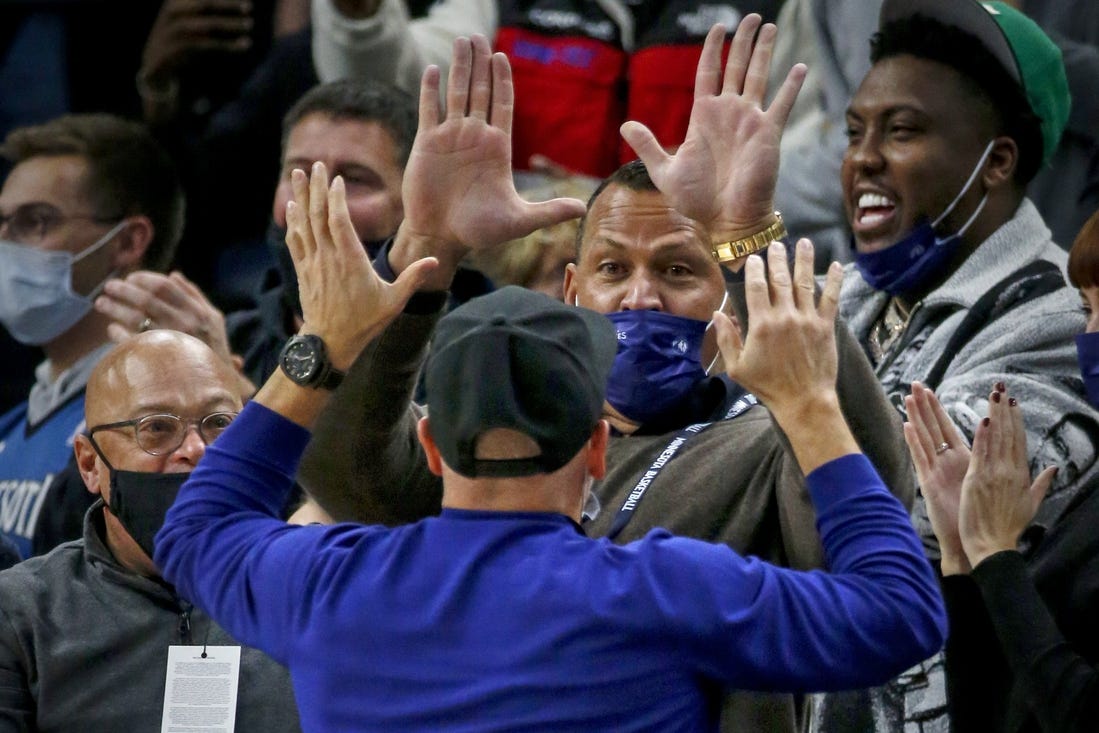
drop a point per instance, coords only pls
(159, 435)
(30, 223)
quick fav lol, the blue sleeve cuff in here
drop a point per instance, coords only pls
(841, 479)
(381, 262)
(422, 303)
(261, 433)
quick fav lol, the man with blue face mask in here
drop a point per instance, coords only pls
(89, 197)
(660, 249)
(957, 283)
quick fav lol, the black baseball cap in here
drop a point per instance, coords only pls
(520, 360)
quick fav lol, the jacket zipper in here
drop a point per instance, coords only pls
(185, 624)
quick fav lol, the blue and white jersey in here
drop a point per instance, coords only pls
(30, 458)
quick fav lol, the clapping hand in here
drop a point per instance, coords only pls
(146, 299)
(998, 498)
(941, 458)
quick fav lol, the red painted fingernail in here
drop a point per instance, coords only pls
(995, 396)
(1012, 401)
(985, 422)
(1001, 387)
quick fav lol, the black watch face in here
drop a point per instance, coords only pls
(301, 361)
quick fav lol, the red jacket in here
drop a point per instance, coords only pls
(582, 68)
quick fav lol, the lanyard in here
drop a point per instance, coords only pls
(625, 513)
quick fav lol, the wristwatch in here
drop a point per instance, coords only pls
(305, 360)
(728, 251)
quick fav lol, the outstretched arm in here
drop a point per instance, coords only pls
(365, 462)
(882, 609)
(222, 544)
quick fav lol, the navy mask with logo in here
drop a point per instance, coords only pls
(658, 361)
(921, 255)
(1087, 354)
(657, 364)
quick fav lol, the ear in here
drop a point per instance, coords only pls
(1002, 161)
(134, 240)
(570, 284)
(431, 451)
(597, 449)
(88, 463)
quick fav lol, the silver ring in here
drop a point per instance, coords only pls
(145, 325)
(943, 448)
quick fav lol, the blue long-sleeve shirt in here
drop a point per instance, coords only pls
(511, 621)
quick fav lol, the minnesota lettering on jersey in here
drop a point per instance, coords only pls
(20, 503)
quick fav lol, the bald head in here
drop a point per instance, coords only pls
(159, 370)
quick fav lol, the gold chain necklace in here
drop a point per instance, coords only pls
(888, 330)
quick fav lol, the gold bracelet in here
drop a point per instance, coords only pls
(726, 251)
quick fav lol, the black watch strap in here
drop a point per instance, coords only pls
(330, 378)
(304, 360)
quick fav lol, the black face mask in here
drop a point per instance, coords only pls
(140, 500)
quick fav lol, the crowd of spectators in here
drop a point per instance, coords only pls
(634, 158)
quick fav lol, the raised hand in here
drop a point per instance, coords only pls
(724, 174)
(183, 30)
(941, 458)
(788, 358)
(343, 300)
(998, 498)
(790, 350)
(458, 191)
(146, 299)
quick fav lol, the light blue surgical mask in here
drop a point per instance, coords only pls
(920, 256)
(37, 302)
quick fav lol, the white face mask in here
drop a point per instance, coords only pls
(37, 302)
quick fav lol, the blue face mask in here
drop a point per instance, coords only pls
(658, 361)
(1087, 354)
(920, 256)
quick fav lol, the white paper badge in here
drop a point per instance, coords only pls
(200, 689)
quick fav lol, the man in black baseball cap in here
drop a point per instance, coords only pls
(521, 364)
(500, 613)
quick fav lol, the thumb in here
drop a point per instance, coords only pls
(547, 213)
(919, 457)
(1040, 487)
(729, 341)
(411, 279)
(644, 143)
